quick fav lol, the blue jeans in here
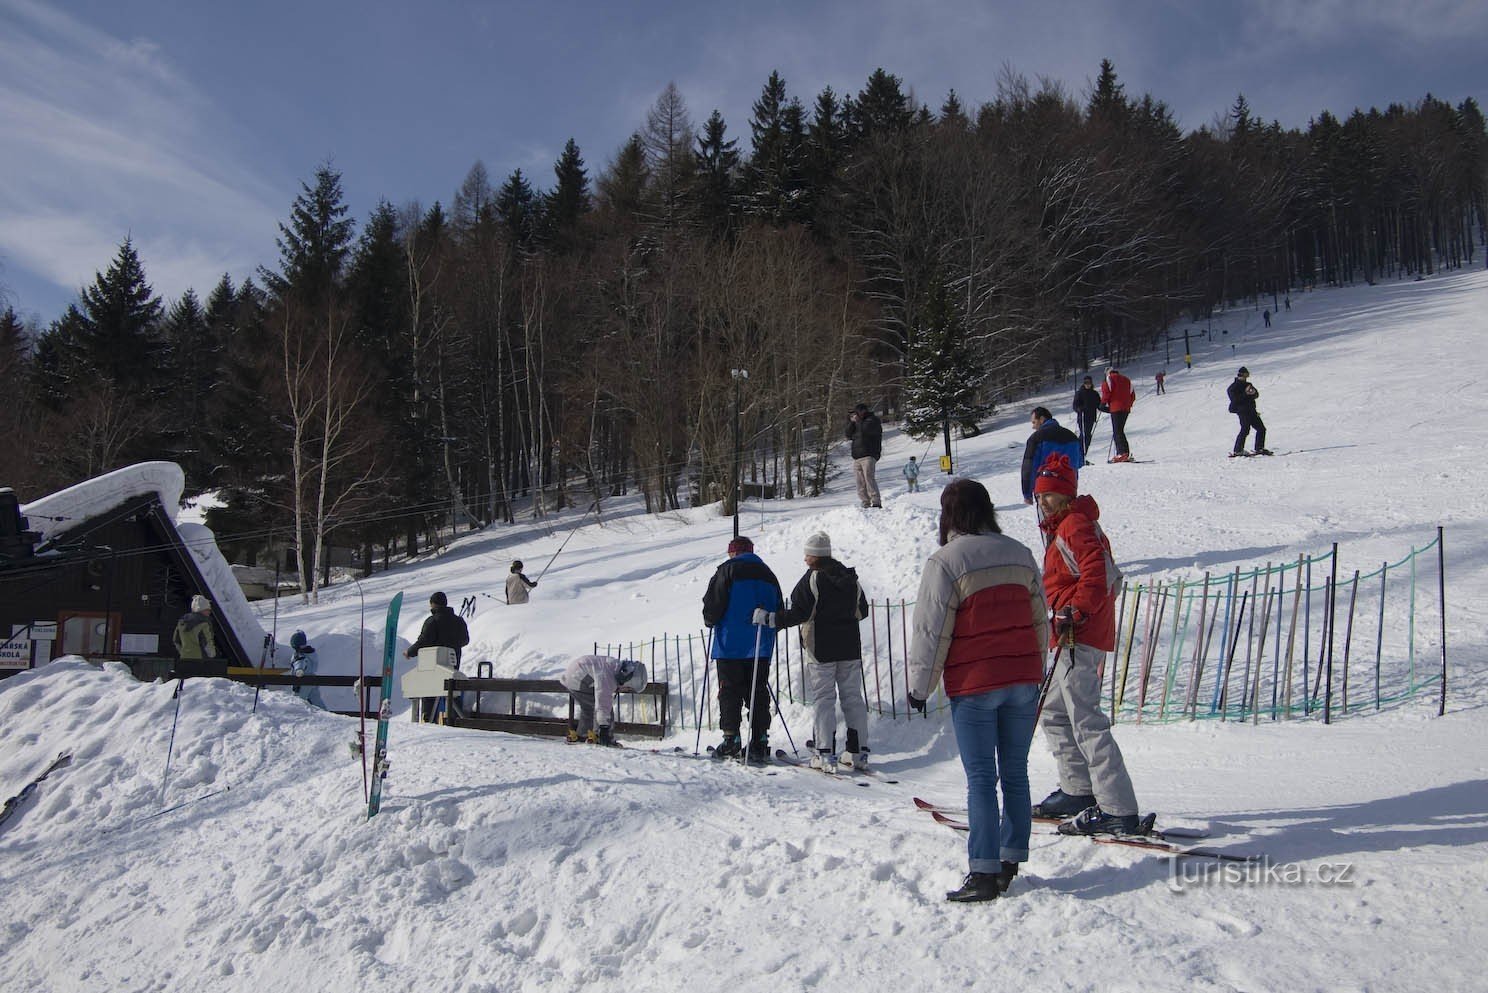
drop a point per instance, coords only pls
(993, 733)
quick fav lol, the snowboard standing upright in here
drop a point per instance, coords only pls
(385, 709)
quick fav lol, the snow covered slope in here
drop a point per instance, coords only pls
(503, 863)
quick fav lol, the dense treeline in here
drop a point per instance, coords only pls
(535, 348)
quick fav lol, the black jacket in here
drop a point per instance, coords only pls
(866, 435)
(1242, 397)
(837, 608)
(443, 628)
(1087, 403)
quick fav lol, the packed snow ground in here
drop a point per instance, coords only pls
(502, 863)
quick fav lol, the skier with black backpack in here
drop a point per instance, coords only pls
(827, 605)
(1243, 397)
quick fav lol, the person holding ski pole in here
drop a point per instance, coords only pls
(1080, 583)
(1117, 399)
(827, 604)
(981, 628)
(517, 584)
(592, 682)
(1087, 410)
(742, 648)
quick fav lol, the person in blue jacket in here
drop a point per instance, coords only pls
(1048, 438)
(742, 648)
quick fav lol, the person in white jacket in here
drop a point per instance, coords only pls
(592, 682)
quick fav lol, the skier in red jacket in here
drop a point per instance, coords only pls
(1080, 582)
(1117, 398)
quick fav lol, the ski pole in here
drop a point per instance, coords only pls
(702, 700)
(759, 629)
(165, 780)
(788, 737)
(573, 531)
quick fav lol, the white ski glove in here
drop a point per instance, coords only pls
(763, 618)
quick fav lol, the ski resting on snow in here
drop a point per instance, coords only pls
(1142, 841)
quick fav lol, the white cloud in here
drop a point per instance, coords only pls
(104, 139)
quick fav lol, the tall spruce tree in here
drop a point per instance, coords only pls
(717, 174)
(945, 374)
(119, 333)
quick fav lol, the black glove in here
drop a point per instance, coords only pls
(606, 736)
(1065, 623)
(1104, 409)
(916, 703)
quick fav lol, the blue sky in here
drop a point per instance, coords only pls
(190, 126)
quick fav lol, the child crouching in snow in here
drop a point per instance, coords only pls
(592, 682)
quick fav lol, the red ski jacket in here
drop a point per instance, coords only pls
(1116, 393)
(1079, 572)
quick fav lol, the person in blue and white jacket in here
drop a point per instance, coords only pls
(742, 648)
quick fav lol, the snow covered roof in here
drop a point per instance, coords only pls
(54, 515)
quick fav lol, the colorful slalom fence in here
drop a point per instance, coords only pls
(1292, 640)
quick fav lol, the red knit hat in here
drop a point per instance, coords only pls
(740, 544)
(1056, 475)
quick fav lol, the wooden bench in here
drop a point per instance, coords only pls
(552, 726)
(149, 669)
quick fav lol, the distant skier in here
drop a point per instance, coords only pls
(592, 682)
(1161, 378)
(827, 604)
(1047, 438)
(865, 431)
(301, 664)
(912, 474)
(1117, 399)
(1080, 584)
(738, 587)
(443, 628)
(193, 635)
(1243, 405)
(1266, 316)
(1087, 409)
(517, 584)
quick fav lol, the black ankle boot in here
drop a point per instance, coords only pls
(977, 886)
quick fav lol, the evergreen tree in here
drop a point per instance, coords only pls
(193, 368)
(946, 374)
(622, 188)
(773, 176)
(569, 201)
(517, 210)
(717, 172)
(314, 245)
(882, 108)
(117, 329)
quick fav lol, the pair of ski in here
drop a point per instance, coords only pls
(1146, 837)
(785, 758)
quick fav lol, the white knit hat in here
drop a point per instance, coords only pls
(200, 603)
(819, 545)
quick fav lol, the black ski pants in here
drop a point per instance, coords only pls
(1087, 428)
(733, 691)
(1118, 431)
(1250, 419)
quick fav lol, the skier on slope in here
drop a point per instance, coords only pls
(740, 586)
(517, 584)
(1080, 582)
(827, 604)
(592, 682)
(865, 431)
(1087, 409)
(1117, 399)
(1243, 405)
(1048, 437)
(980, 624)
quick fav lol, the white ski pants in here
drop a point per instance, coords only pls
(829, 682)
(1079, 734)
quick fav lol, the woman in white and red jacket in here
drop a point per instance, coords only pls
(981, 626)
(1080, 581)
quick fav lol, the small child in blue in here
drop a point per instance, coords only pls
(303, 664)
(912, 475)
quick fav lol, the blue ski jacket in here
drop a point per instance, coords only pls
(738, 586)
